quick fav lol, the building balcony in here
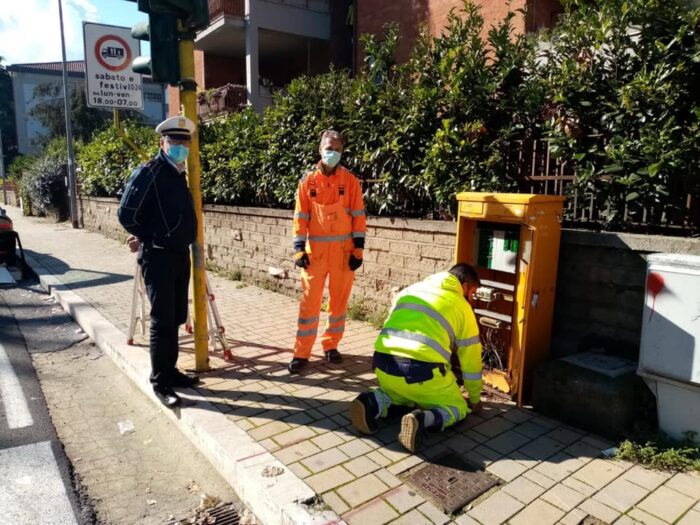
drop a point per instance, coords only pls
(219, 8)
(221, 101)
(236, 8)
(297, 19)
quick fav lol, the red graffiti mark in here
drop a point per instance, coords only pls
(655, 283)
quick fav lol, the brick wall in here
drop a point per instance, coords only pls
(221, 70)
(372, 15)
(542, 13)
(100, 215)
(600, 286)
(199, 69)
(173, 101)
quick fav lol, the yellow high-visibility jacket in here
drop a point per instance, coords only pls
(430, 320)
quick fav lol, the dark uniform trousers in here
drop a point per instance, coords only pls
(166, 274)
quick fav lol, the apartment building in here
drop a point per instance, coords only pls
(410, 15)
(254, 47)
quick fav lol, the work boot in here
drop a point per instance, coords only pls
(412, 431)
(363, 412)
(167, 396)
(297, 365)
(182, 380)
(333, 356)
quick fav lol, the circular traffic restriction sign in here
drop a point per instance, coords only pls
(112, 52)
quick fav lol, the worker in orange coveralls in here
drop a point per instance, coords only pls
(329, 236)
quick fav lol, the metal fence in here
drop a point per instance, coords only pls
(536, 170)
(222, 100)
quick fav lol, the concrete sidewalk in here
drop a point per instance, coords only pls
(281, 440)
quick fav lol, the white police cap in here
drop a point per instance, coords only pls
(176, 127)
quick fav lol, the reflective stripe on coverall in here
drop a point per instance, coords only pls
(430, 320)
(329, 222)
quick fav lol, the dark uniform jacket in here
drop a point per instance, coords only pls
(157, 206)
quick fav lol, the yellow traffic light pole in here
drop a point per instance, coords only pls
(188, 100)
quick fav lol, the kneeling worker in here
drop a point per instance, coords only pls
(430, 320)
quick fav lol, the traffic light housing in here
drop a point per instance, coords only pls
(164, 63)
(193, 14)
(168, 22)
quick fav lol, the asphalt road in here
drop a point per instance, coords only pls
(36, 481)
(79, 443)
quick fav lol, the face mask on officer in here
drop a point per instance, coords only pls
(330, 158)
(176, 152)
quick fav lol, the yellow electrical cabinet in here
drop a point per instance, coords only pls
(513, 241)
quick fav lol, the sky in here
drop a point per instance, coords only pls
(30, 30)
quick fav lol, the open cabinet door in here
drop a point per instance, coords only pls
(525, 257)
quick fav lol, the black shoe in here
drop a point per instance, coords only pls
(412, 431)
(167, 396)
(363, 413)
(297, 365)
(333, 356)
(183, 380)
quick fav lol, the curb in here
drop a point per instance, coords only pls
(245, 464)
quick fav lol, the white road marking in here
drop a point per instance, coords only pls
(31, 488)
(16, 409)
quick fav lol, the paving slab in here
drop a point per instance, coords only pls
(666, 504)
(524, 490)
(497, 509)
(539, 512)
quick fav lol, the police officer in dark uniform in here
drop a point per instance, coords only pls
(157, 210)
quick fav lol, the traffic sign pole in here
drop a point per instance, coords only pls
(72, 184)
(188, 99)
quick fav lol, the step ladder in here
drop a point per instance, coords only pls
(138, 318)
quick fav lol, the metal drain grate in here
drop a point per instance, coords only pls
(222, 514)
(450, 483)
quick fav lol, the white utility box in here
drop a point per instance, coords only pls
(669, 357)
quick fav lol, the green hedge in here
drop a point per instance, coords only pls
(107, 161)
(41, 180)
(613, 87)
(621, 79)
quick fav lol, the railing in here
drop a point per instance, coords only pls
(537, 171)
(218, 8)
(222, 100)
(322, 6)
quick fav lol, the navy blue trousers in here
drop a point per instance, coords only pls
(167, 277)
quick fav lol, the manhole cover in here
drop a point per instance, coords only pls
(450, 483)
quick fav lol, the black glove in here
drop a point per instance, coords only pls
(301, 259)
(355, 262)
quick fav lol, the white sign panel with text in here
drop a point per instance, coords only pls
(109, 80)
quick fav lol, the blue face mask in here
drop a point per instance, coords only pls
(178, 153)
(330, 158)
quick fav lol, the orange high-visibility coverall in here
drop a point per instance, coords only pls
(329, 224)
